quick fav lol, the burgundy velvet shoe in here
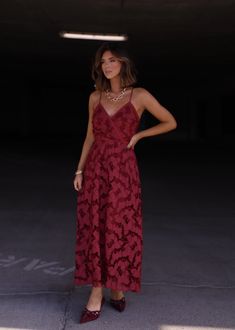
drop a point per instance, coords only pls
(88, 315)
(119, 304)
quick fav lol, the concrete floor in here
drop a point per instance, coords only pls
(188, 279)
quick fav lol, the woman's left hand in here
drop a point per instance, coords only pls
(135, 138)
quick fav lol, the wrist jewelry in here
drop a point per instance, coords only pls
(78, 172)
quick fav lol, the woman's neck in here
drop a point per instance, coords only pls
(115, 85)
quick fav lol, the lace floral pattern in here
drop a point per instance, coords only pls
(109, 211)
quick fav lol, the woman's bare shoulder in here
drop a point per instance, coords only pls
(139, 95)
(94, 98)
(140, 91)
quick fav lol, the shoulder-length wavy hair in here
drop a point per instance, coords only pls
(127, 73)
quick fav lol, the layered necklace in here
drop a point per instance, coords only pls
(115, 98)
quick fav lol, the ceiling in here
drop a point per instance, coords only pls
(168, 37)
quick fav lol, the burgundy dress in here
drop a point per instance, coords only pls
(109, 210)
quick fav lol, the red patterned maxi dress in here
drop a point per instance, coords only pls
(109, 211)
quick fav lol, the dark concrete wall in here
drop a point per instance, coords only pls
(48, 108)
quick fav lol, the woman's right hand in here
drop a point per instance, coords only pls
(78, 182)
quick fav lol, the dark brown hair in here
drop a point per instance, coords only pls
(127, 73)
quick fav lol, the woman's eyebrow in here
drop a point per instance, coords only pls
(109, 58)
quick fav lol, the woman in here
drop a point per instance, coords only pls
(109, 215)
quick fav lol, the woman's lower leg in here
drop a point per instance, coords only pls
(95, 298)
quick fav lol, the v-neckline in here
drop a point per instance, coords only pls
(116, 112)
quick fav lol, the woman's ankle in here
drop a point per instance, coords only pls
(97, 291)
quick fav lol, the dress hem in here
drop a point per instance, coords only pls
(108, 286)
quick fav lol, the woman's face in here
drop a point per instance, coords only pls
(110, 64)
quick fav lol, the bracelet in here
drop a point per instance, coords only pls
(78, 172)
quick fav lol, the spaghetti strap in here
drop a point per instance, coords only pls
(100, 97)
(95, 108)
(131, 94)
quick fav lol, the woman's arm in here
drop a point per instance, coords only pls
(87, 143)
(167, 122)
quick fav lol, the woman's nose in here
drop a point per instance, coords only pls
(106, 65)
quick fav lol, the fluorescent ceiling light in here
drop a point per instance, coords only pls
(94, 36)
